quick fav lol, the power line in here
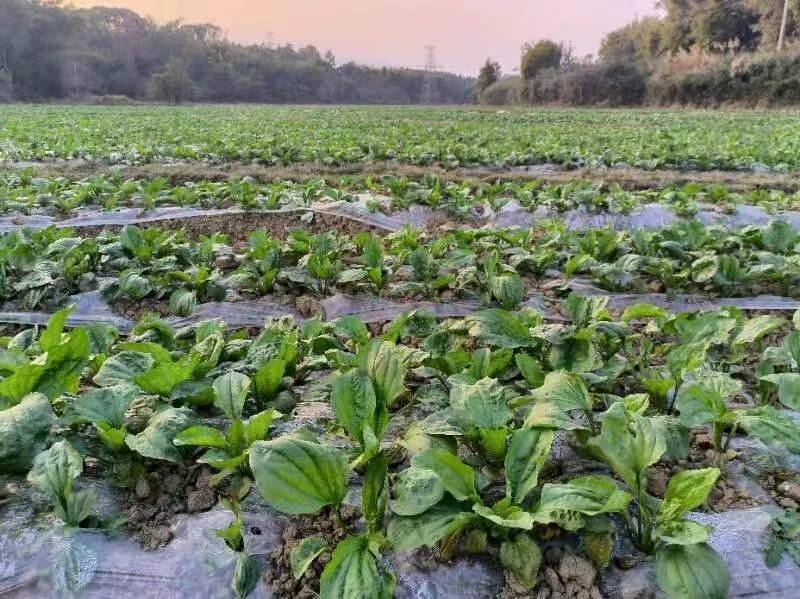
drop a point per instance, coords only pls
(429, 75)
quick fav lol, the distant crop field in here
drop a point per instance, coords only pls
(418, 136)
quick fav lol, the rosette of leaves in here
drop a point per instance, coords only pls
(297, 475)
(439, 499)
(703, 400)
(630, 443)
(228, 451)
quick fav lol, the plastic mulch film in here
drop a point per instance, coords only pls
(90, 308)
(511, 215)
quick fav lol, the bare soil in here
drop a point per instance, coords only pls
(160, 495)
(280, 578)
(627, 178)
(784, 488)
(562, 575)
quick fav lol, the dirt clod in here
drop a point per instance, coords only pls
(308, 306)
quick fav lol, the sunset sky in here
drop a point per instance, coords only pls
(394, 32)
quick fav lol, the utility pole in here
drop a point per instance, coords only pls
(782, 35)
(428, 78)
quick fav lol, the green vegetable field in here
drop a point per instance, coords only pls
(419, 352)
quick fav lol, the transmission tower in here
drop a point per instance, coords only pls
(429, 76)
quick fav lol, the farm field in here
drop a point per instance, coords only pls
(353, 378)
(646, 139)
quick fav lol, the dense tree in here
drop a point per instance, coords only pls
(639, 42)
(770, 13)
(172, 84)
(49, 50)
(542, 55)
(720, 25)
(489, 74)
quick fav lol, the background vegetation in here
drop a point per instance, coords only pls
(701, 53)
(49, 51)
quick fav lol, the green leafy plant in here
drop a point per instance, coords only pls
(228, 451)
(783, 538)
(54, 471)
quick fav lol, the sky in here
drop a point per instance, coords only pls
(395, 32)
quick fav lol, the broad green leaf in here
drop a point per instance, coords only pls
(704, 269)
(585, 310)
(505, 515)
(78, 505)
(522, 557)
(701, 398)
(382, 363)
(458, 478)
(692, 572)
(415, 491)
(629, 447)
(297, 476)
(546, 414)
(123, 367)
(64, 365)
(53, 470)
(676, 436)
(51, 336)
(246, 575)
(588, 495)
(304, 554)
(686, 491)
(527, 453)
(268, 379)
(164, 378)
(355, 404)
(771, 428)
(23, 432)
(565, 390)
(158, 352)
(531, 370)
(107, 404)
(682, 532)
(351, 327)
(156, 441)
(484, 403)
(231, 392)
(508, 289)
(113, 437)
(201, 436)
(500, 329)
(755, 328)
(257, 426)
(353, 573)
(182, 302)
(788, 388)
(642, 311)
(410, 532)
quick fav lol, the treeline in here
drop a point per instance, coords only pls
(699, 53)
(49, 51)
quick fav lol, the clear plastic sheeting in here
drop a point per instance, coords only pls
(739, 536)
(686, 302)
(133, 216)
(45, 561)
(237, 314)
(369, 210)
(90, 308)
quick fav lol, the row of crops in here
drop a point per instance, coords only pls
(420, 136)
(499, 386)
(22, 192)
(373, 385)
(169, 273)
